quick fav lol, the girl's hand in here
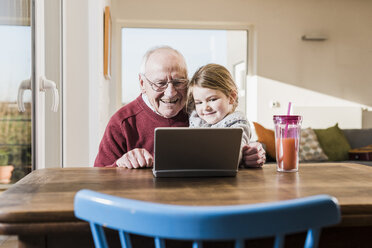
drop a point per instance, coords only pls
(253, 155)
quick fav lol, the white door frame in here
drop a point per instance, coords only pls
(53, 71)
(45, 132)
(38, 100)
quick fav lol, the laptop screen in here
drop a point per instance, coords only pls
(197, 149)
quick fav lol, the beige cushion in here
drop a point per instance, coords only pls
(310, 149)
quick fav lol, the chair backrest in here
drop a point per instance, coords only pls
(200, 223)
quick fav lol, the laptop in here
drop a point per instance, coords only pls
(196, 152)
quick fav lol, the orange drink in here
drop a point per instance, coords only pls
(287, 142)
(287, 159)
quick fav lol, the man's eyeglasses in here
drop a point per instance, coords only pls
(161, 86)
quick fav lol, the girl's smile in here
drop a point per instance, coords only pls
(211, 105)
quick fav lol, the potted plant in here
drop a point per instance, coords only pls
(5, 168)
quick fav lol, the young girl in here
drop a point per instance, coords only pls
(212, 99)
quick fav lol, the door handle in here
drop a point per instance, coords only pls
(25, 85)
(46, 84)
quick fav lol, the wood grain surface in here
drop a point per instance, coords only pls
(47, 195)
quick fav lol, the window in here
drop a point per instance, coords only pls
(198, 46)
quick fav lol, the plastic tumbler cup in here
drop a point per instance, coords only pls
(287, 141)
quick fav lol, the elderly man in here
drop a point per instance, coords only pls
(129, 137)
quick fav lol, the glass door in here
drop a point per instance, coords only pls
(23, 85)
(15, 67)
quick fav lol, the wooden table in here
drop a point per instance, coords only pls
(39, 208)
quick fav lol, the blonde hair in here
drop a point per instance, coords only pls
(212, 76)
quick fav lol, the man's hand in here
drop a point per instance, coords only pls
(253, 155)
(135, 158)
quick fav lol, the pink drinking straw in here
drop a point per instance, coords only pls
(286, 126)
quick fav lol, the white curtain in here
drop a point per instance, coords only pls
(15, 12)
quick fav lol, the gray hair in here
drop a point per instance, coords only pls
(154, 49)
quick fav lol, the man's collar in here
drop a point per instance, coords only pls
(146, 100)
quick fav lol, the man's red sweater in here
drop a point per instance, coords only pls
(131, 127)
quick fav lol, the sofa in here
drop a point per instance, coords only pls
(359, 138)
(320, 145)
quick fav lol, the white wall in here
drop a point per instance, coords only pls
(338, 67)
(301, 99)
(86, 94)
(367, 119)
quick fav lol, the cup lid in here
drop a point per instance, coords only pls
(287, 117)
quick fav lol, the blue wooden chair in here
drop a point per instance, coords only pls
(205, 223)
